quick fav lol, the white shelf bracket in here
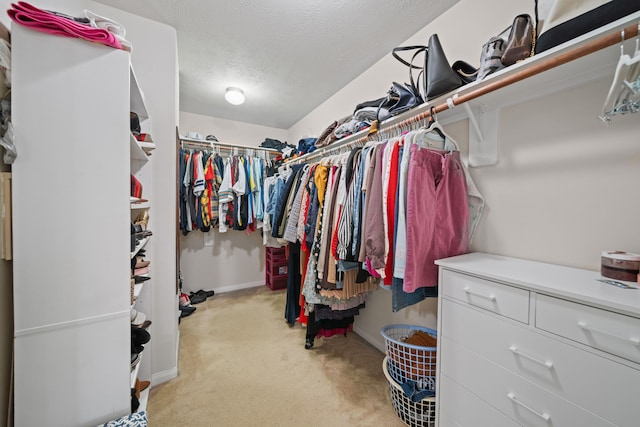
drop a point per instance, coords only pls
(483, 135)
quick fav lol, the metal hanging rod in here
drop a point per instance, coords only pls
(224, 145)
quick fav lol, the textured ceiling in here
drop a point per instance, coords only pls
(287, 55)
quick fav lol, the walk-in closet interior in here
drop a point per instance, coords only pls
(494, 223)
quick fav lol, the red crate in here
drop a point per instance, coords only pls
(276, 268)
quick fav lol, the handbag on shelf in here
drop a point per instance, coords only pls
(436, 76)
(440, 78)
(491, 57)
(513, 44)
(414, 84)
(467, 72)
(400, 98)
(521, 41)
(559, 21)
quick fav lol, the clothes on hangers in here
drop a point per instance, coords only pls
(384, 211)
(223, 193)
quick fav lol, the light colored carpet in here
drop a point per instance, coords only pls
(242, 365)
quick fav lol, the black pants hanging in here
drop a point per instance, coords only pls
(292, 307)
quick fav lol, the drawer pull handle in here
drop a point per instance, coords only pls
(517, 352)
(583, 325)
(544, 415)
(489, 297)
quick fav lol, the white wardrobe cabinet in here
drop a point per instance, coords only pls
(535, 344)
(70, 111)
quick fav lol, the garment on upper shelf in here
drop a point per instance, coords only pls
(44, 21)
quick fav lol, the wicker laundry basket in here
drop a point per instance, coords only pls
(408, 362)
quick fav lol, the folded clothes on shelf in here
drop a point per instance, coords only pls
(30, 16)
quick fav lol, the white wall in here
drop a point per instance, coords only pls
(564, 188)
(231, 260)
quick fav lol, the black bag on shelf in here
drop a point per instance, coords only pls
(440, 77)
(436, 77)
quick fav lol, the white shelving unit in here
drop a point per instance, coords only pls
(140, 150)
(140, 164)
(137, 204)
(70, 101)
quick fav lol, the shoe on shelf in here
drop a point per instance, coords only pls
(141, 386)
(140, 263)
(136, 349)
(139, 336)
(137, 317)
(140, 279)
(141, 271)
(135, 359)
(135, 402)
(145, 324)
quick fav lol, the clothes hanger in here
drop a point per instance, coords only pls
(624, 94)
(431, 136)
(433, 124)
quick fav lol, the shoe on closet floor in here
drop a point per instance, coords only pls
(196, 298)
(184, 300)
(186, 311)
(207, 294)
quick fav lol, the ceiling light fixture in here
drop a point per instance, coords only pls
(234, 96)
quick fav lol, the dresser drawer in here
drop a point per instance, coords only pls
(521, 400)
(604, 330)
(556, 366)
(461, 408)
(501, 299)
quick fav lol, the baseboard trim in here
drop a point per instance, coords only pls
(178, 351)
(240, 286)
(164, 376)
(377, 343)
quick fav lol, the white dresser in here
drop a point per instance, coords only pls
(535, 344)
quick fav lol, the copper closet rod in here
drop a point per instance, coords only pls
(586, 49)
